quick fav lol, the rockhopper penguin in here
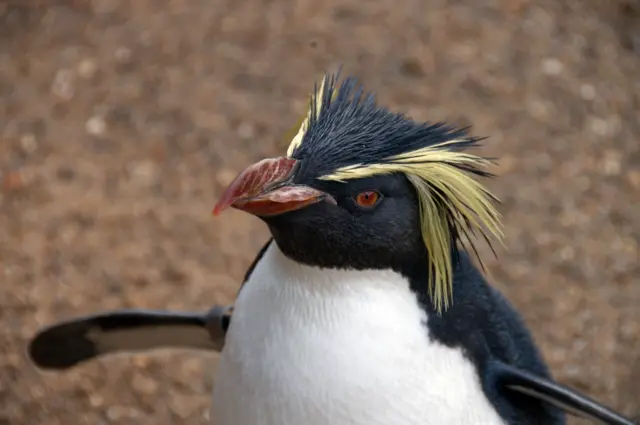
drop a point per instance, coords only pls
(365, 306)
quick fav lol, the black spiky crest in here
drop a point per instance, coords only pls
(346, 135)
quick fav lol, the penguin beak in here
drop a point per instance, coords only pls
(266, 189)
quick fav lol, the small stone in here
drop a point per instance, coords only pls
(598, 126)
(87, 68)
(538, 109)
(611, 165)
(245, 130)
(96, 400)
(552, 66)
(12, 359)
(579, 345)
(64, 84)
(123, 55)
(567, 253)
(146, 38)
(144, 385)
(185, 406)
(115, 413)
(572, 371)
(628, 330)
(141, 361)
(558, 355)
(96, 126)
(37, 392)
(28, 143)
(587, 92)
(144, 172)
(464, 51)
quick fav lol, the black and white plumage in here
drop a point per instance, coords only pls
(364, 308)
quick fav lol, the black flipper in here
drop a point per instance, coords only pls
(565, 398)
(69, 343)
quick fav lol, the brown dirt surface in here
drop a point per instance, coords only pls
(121, 122)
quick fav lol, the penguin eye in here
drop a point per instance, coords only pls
(367, 198)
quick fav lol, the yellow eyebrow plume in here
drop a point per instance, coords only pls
(452, 204)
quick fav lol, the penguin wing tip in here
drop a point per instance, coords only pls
(61, 346)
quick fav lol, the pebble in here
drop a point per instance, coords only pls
(579, 345)
(64, 84)
(597, 125)
(587, 92)
(28, 143)
(567, 253)
(572, 371)
(96, 400)
(246, 131)
(611, 164)
(96, 126)
(87, 68)
(185, 406)
(552, 66)
(123, 55)
(628, 330)
(115, 413)
(464, 52)
(557, 355)
(38, 392)
(538, 109)
(144, 385)
(146, 38)
(144, 172)
(141, 361)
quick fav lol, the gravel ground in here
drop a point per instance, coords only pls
(121, 122)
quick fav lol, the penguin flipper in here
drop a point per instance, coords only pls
(69, 343)
(567, 399)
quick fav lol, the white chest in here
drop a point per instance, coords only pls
(329, 347)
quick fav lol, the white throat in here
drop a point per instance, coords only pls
(327, 347)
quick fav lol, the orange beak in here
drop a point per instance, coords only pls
(265, 189)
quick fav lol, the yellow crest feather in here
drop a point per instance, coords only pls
(303, 124)
(450, 201)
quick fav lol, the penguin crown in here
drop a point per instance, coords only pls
(345, 135)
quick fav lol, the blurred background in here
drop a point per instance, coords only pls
(122, 121)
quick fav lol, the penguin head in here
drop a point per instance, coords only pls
(362, 187)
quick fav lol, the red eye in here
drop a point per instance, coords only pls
(368, 198)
